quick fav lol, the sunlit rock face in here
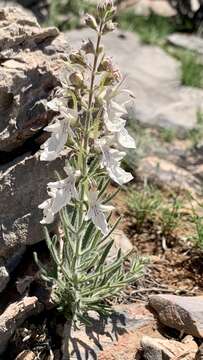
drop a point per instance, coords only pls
(31, 59)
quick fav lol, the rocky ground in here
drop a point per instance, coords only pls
(150, 323)
(41, 8)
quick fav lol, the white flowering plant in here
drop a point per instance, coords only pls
(90, 129)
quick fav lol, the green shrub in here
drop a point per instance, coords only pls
(153, 29)
(196, 134)
(167, 134)
(170, 216)
(144, 204)
(197, 237)
(66, 14)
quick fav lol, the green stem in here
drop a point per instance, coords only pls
(87, 122)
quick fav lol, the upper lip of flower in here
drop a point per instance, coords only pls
(61, 192)
(116, 124)
(52, 148)
(111, 160)
(95, 212)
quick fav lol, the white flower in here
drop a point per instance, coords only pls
(124, 139)
(59, 105)
(114, 91)
(96, 212)
(111, 159)
(61, 193)
(63, 190)
(116, 124)
(195, 4)
(53, 147)
(112, 117)
(46, 206)
(64, 78)
(55, 104)
(119, 175)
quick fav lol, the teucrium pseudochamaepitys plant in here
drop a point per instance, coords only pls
(91, 128)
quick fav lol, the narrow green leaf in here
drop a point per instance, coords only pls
(104, 254)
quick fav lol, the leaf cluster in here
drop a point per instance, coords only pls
(84, 274)
(148, 204)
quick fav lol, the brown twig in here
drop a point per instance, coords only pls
(143, 290)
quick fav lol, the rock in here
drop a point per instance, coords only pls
(159, 7)
(16, 13)
(121, 241)
(154, 77)
(26, 355)
(8, 265)
(116, 338)
(180, 312)
(199, 355)
(14, 316)
(187, 41)
(17, 10)
(159, 349)
(13, 261)
(167, 174)
(40, 8)
(4, 278)
(23, 186)
(31, 61)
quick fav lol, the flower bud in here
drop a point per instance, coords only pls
(105, 65)
(88, 47)
(117, 75)
(77, 79)
(108, 80)
(104, 6)
(91, 22)
(112, 11)
(108, 27)
(112, 77)
(77, 58)
(109, 5)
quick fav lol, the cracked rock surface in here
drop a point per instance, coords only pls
(31, 60)
(164, 349)
(184, 313)
(15, 315)
(30, 63)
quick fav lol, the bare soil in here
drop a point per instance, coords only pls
(175, 265)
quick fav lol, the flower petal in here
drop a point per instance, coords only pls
(95, 212)
(52, 148)
(48, 215)
(98, 219)
(125, 140)
(113, 125)
(119, 175)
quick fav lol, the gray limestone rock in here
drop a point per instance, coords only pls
(14, 315)
(31, 59)
(167, 174)
(187, 41)
(180, 312)
(164, 349)
(23, 186)
(154, 78)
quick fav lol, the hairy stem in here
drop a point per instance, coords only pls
(88, 119)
